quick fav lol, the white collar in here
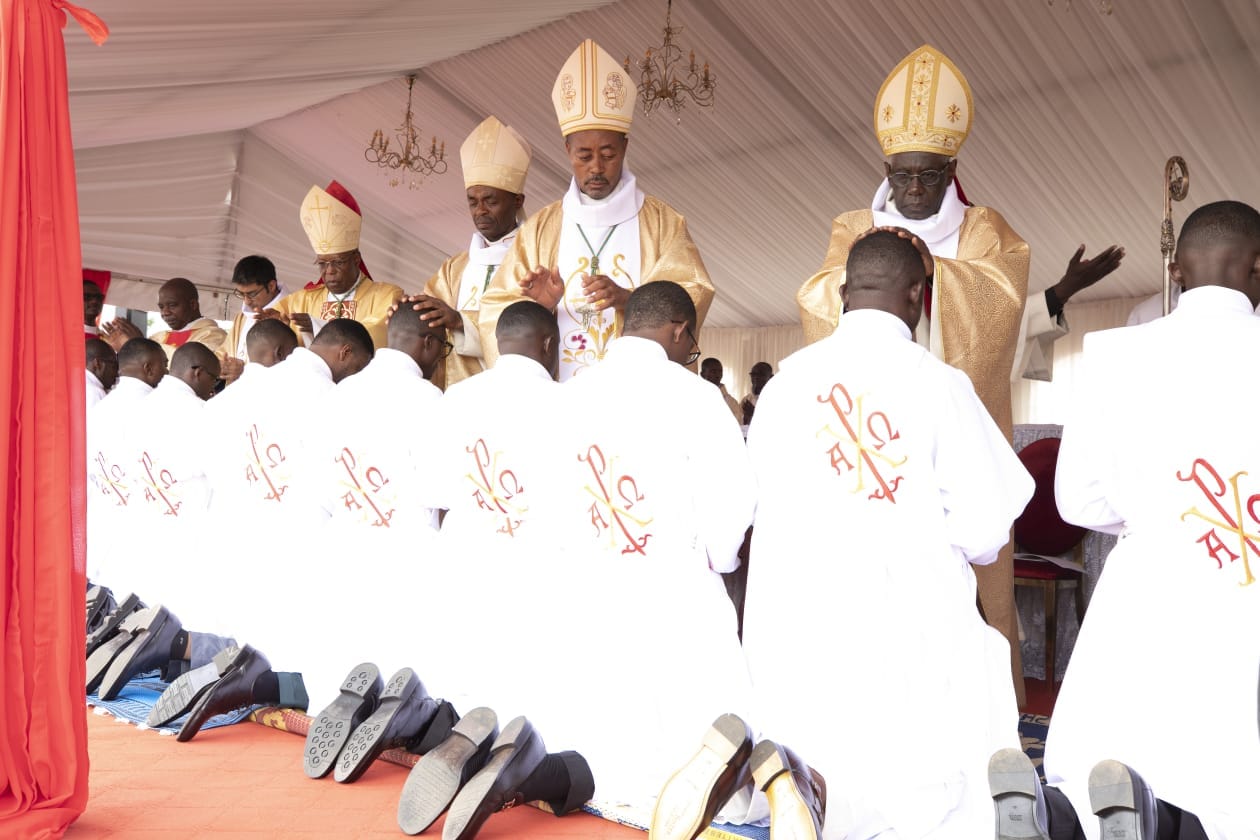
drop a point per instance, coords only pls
(1207, 298)
(175, 385)
(309, 360)
(935, 230)
(92, 377)
(388, 359)
(634, 347)
(482, 252)
(517, 365)
(621, 205)
(349, 292)
(280, 292)
(873, 320)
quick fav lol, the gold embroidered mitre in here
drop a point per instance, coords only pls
(494, 155)
(923, 106)
(331, 225)
(593, 91)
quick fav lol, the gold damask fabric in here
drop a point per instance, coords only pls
(445, 287)
(372, 301)
(980, 296)
(666, 253)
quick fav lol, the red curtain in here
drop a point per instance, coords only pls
(43, 724)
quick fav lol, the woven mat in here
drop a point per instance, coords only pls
(137, 699)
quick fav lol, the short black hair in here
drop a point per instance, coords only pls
(883, 261)
(1220, 223)
(254, 269)
(190, 355)
(525, 317)
(657, 303)
(345, 331)
(98, 350)
(268, 331)
(407, 321)
(137, 351)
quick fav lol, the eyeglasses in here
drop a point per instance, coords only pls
(447, 349)
(694, 354)
(928, 177)
(251, 296)
(336, 265)
(219, 382)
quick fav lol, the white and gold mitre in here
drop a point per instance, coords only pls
(494, 155)
(593, 92)
(332, 225)
(923, 106)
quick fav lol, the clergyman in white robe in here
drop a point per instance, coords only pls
(655, 494)
(1162, 449)
(881, 478)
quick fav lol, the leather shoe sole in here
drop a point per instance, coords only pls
(437, 778)
(149, 648)
(332, 727)
(1015, 789)
(233, 690)
(105, 653)
(112, 622)
(511, 757)
(1124, 804)
(697, 790)
(187, 688)
(791, 818)
(394, 722)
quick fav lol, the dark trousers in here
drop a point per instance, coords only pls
(1174, 823)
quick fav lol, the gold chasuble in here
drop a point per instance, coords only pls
(978, 298)
(369, 305)
(445, 286)
(666, 252)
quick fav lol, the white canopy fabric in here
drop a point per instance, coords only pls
(199, 128)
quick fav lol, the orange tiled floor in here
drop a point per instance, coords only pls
(247, 781)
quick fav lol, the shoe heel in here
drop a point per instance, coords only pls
(333, 726)
(365, 743)
(1013, 786)
(434, 782)
(1114, 800)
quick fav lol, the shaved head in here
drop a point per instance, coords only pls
(885, 272)
(410, 334)
(345, 345)
(177, 303)
(269, 341)
(1220, 246)
(181, 286)
(143, 359)
(529, 329)
(197, 367)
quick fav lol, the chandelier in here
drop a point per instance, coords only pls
(409, 157)
(665, 80)
(1104, 6)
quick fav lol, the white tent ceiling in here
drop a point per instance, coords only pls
(198, 128)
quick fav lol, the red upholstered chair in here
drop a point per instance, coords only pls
(1040, 530)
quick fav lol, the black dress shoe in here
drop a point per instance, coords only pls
(438, 730)
(1124, 803)
(698, 790)
(112, 622)
(1018, 801)
(100, 603)
(103, 656)
(234, 690)
(332, 727)
(437, 778)
(402, 714)
(149, 649)
(797, 794)
(515, 755)
(187, 688)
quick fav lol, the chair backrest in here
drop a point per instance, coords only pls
(1039, 528)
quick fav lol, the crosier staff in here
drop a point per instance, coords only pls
(1176, 187)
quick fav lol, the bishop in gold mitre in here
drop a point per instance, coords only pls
(332, 221)
(979, 278)
(495, 160)
(581, 256)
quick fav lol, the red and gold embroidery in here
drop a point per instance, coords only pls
(497, 491)
(260, 472)
(863, 437)
(607, 511)
(159, 486)
(1229, 520)
(330, 309)
(364, 491)
(111, 481)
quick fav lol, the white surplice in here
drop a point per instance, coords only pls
(95, 390)
(1162, 448)
(881, 477)
(653, 495)
(112, 484)
(487, 464)
(263, 426)
(368, 436)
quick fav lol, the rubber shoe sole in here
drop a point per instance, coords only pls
(332, 727)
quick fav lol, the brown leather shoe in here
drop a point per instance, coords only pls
(797, 794)
(698, 790)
